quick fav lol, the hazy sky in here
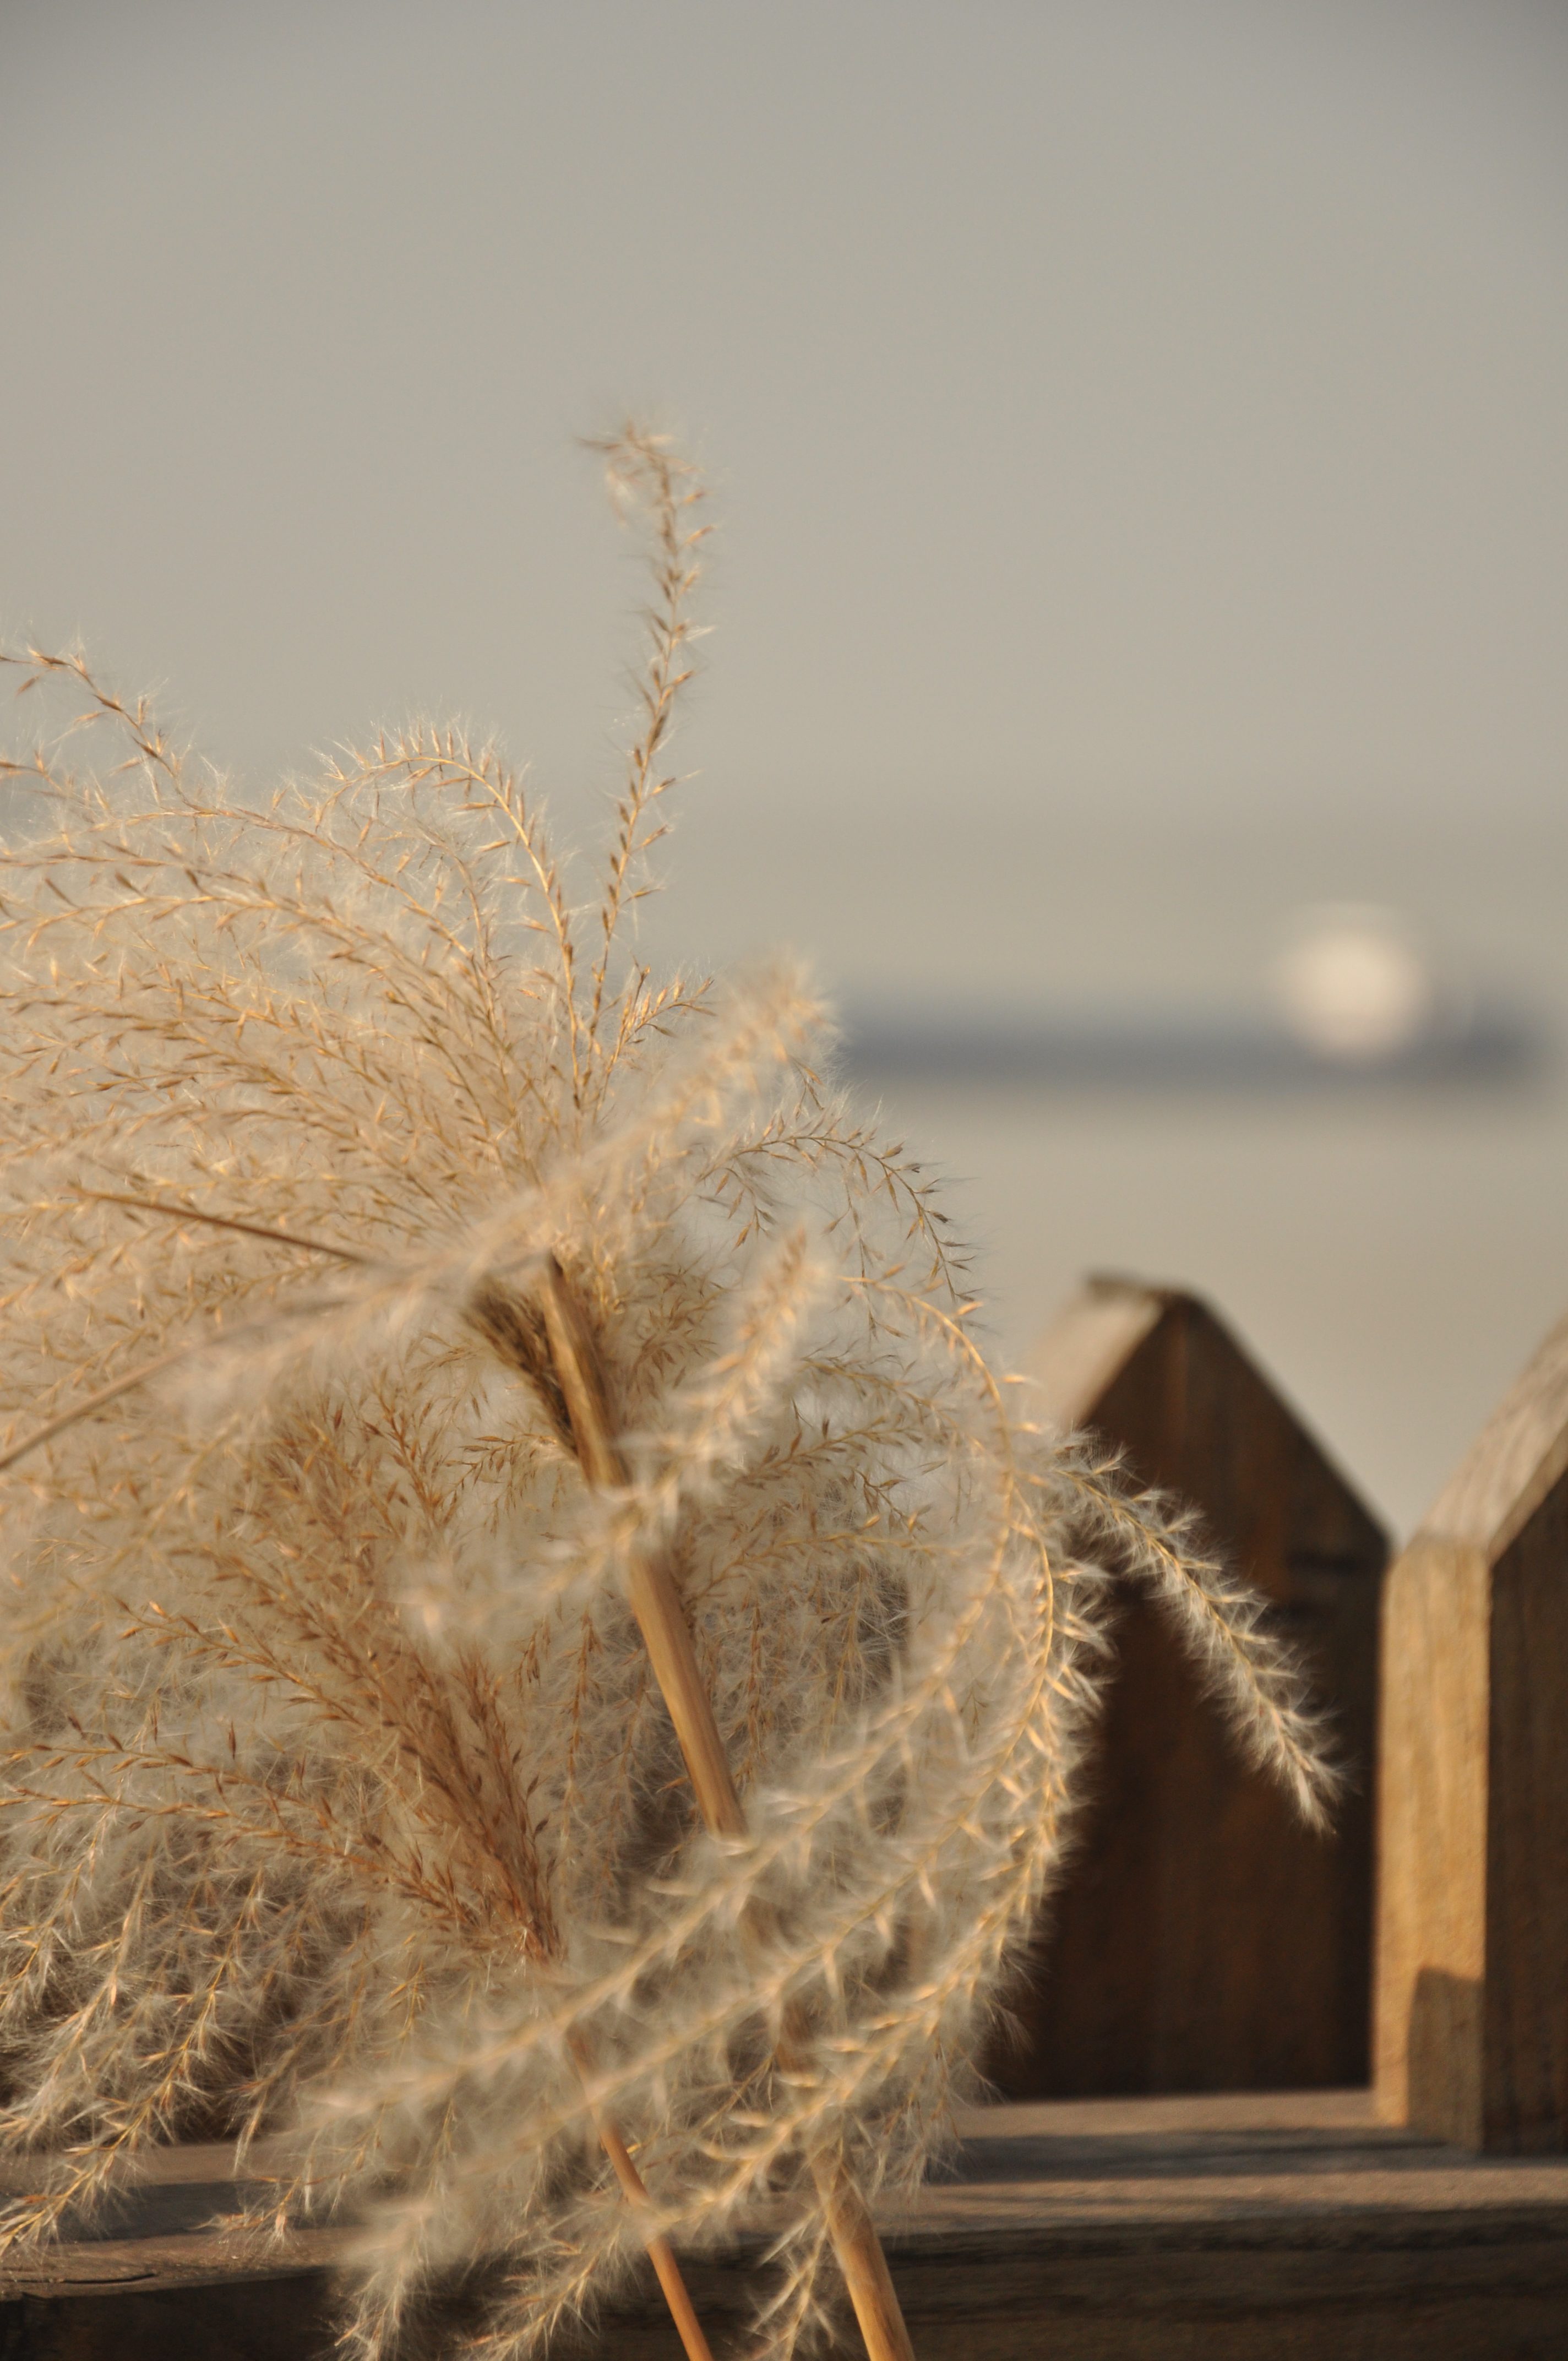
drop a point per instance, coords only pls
(1161, 402)
(1139, 435)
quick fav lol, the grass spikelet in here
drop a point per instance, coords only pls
(343, 1806)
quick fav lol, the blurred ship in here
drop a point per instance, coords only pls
(1352, 1000)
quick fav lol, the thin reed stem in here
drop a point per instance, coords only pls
(660, 2253)
(656, 1604)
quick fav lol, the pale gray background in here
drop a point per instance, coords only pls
(1138, 432)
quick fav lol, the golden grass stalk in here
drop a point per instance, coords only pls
(344, 1803)
(656, 1603)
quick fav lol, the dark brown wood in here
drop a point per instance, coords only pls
(1259, 2227)
(1203, 1939)
(1471, 2015)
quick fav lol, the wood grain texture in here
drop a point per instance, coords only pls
(1472, 1984)
(1431, 1931)
(1226, 2227)
(1203, 1939)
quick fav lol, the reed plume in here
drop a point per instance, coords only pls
(344, 1805)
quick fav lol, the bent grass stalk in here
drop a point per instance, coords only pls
(660, 2254)
(661, 1618)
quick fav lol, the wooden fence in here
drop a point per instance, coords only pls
(1182, 2180)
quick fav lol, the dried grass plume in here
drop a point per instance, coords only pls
(342, 1807)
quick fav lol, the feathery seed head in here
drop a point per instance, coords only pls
(342, 1805)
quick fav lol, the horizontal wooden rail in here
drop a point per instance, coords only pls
(1224, 2228)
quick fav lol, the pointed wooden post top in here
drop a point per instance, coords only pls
(1155, 1368)
(1514, 1463)
(1091, 1341)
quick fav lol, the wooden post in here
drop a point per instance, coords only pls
(1472, 1989)
(1203, 1940)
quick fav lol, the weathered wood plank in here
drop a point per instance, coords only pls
(1204, 1940)
(1472, 1986)
(1227, 2228)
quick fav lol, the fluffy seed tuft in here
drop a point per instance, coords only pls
(341, 1807)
